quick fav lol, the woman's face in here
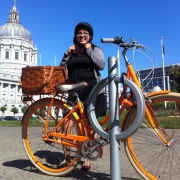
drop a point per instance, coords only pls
(83, 36)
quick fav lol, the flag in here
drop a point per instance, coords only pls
(162, 44)
(163, 50)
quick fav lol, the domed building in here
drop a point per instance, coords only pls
(17, 50)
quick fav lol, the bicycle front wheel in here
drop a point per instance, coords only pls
(49, 155)
(149, 155)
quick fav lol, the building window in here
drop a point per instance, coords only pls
(5, 85)
(7, 54)
(19, 88)
(25, 57)
(16, 55)
(13, 86)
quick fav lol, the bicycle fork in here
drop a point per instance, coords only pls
(167, 140)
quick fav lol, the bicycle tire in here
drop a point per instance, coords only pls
(150, 157)
(48, 156)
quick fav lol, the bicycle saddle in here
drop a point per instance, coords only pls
(68, 87)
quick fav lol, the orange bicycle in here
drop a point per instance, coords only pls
(61, 131)
(153, 150)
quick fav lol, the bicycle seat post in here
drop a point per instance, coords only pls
(115, 169)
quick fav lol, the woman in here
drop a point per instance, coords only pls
(83, 61)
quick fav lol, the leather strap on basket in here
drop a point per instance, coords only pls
(30, 88)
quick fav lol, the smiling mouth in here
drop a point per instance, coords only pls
(82, 40)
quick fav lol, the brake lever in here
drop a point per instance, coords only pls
(142, 47)
(137, 45)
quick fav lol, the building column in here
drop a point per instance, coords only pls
(16, 92)
(1, 91)
(12, 52)
(30, 59)
(20, 54)
(2, 52)
(35, 59)
(27, 56)
(8, 94)
(22, 58)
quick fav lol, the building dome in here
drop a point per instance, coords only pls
(13, 27)
(14, 30)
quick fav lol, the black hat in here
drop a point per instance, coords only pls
(84, 25)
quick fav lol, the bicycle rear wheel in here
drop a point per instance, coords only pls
(48, 156)
(146, 151)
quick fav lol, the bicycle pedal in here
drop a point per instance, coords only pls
(101, 141)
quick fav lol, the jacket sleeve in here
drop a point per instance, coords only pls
(64, 60)
(97, 57)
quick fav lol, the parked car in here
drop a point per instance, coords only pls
(10, 118)
(19, 118)
(1, 119)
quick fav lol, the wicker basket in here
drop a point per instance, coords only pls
(42, 79)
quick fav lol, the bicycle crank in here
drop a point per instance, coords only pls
(92, 149)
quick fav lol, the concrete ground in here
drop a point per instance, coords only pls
(15, 165)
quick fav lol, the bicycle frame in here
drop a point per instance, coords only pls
(67, 139)
(83, 123)
(56, 134)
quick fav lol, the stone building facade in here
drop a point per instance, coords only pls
(17, 50)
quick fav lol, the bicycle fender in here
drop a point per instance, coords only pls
(158, 93)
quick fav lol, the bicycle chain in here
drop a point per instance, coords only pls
(96, 144)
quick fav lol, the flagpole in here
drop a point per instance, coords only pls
(163, 51)
(162, 47)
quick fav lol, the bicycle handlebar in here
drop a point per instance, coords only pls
(117, 40)
(122, 43)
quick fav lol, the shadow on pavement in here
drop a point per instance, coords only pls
(26, 165)
(77, 174)
(22, 164)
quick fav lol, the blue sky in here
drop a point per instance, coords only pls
(51, 24)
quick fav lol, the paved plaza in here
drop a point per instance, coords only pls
(15, 165)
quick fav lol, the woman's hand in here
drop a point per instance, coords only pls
(88, 45)
(71, 48)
